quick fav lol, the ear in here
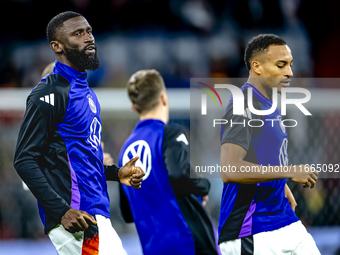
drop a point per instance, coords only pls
(256, 66)
(57, 47)
(133, 108)
(164, 98)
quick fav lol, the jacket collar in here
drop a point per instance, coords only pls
(70, 73)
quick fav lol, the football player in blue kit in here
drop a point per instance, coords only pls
(59, 154)
(255, 215)
(167, 210)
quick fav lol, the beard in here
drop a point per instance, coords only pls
(81, 60)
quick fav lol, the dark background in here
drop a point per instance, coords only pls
(218, 31)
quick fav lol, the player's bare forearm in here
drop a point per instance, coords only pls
(233, 155)
(244, 172)
(308, 178)
(242, 176)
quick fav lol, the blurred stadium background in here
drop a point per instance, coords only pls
(182, 39)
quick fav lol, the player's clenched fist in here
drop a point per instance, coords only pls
(307, 176)
(131, 175)
(75, 220)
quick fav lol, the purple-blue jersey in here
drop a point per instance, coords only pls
(59, 154)
(248, 209)
(167, 210)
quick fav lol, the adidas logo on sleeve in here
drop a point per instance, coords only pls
(48, 99)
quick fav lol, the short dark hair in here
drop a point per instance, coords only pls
(144, 88)
(57, 22)
(259, 45)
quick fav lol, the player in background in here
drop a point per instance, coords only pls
(48, 69)
(167, 210)
(255, 216)
(59, 154)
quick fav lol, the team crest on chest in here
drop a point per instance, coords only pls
(92, 104)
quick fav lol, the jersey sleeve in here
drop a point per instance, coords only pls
(176, 157)
(237, 130)
(30, 144)
(39, 118)
(111, 173)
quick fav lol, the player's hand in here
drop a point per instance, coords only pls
(75, 220)
(291, 199)
(131, 175)
(308, 176)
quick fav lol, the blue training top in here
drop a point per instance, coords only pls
(167, 210)
(59, 154)
(248, 209)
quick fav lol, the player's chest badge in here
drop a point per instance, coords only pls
(92, 104)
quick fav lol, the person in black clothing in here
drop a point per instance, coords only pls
(167, 210)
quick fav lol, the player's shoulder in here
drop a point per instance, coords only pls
(53, 83)
(173, 129)
(237, 103)
(248, 93)
(251, 98)
(52, 90)
(174, 133)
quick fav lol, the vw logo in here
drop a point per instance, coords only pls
(283, 128)
(283, 157)
(142, 149)
(95, 133)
